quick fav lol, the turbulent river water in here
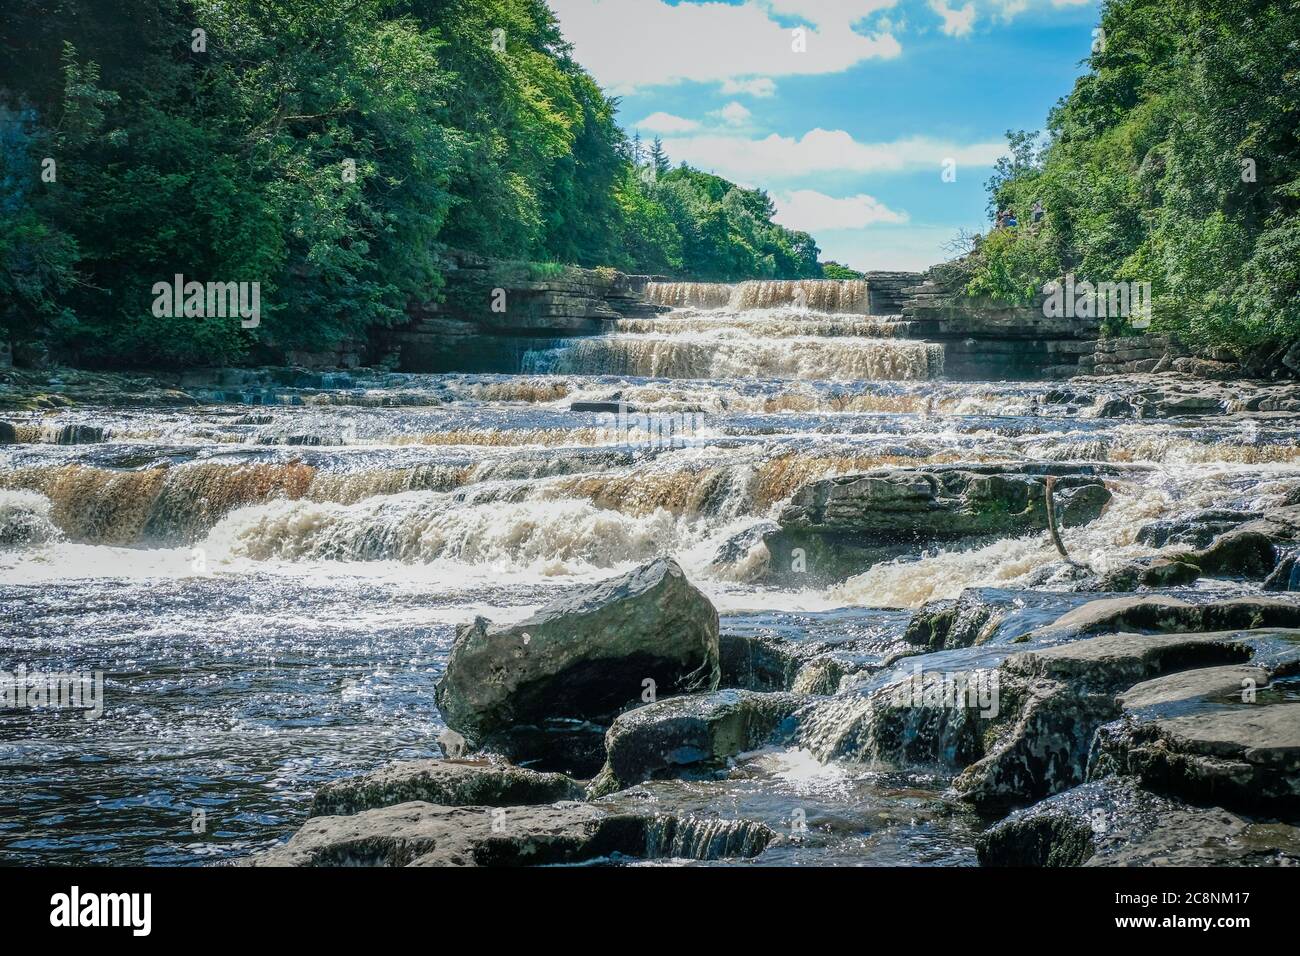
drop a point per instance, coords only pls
(270, 581)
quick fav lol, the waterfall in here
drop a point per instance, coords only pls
(818, 295)
(711, 357)
(784, 329)
(711, 838)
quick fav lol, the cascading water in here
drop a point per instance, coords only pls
(799, 329)
(282, 584)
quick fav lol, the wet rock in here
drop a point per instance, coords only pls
(1285, 577)
(755, 662)
(424, 834)
(8, 433)
(920, 714)
(1149, 573)
(444, 782)
(79, 435)
(1242, 554)
(572, 666)
(743, 556)
(1114, 823)
(1053, 699)
(1160, 613)
(1245, 755)
(1195, 530)
(1279, 525)
(960, 623)
(1216, 683)
(837, 526)
(689, 735)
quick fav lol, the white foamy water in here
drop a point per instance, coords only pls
(724, 355)
(281, 581)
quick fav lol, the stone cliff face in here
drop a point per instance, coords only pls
(985, 339)
(494, 311)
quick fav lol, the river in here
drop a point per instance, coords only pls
(270, 581)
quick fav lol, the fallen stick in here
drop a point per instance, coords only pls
(1051, 518)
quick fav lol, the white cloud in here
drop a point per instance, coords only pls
(635, 43)
(822, 151)
(914, 247)
(957, 21)
(1009, 9)
(830, 12)
(809, 211)
(759, 86)
(734, 114)
(666, 123)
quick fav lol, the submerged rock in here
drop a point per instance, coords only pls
(1115, 823)
(448, 783)
(837, 526)
(424, 834)
(545, 689)
(689, 735)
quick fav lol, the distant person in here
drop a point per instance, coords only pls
(1036, 214)
(1001, 221)
(1011, 219)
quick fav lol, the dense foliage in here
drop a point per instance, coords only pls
(1175, 160)
(328, 151)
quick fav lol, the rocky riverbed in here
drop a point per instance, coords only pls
(368, 617)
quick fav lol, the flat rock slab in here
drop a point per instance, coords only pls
(1203, 683)
(689, 734)
(1113, 661)
(424, 834)
(448, 783)
(1246, 756)
(1161, 613)
(581, 659)
(1115, 823)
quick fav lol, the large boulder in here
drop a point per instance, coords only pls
(424, 834)
(543, 690)
(690, 735)
(838, 526)
(448, 783)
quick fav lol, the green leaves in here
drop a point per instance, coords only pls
(1169, 163)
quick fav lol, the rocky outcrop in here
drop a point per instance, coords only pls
(839, 526)
(1170, 394)
(689, 735)
(1239, 749)
(1115, 823)
(448, 783)
(986, 339)
(425, 834)
(545, 689)
(493, 311)
(1149, 573)
(1019, 709)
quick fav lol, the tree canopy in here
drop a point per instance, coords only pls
(329, 151)
(1175, 161)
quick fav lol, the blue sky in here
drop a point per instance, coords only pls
(850, 135)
